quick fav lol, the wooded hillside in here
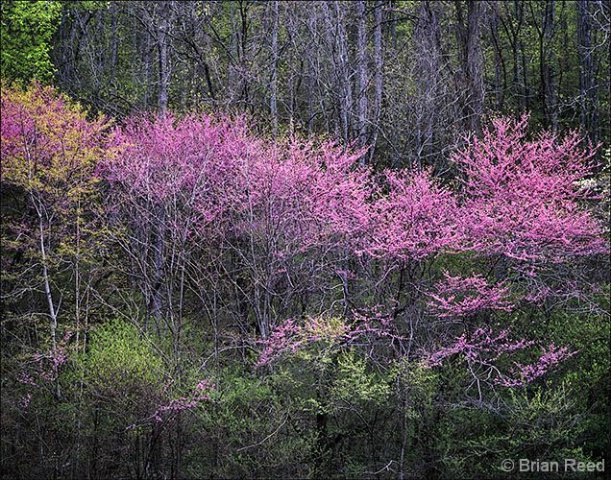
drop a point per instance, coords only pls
(314, 239)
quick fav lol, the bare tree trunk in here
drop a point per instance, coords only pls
(512, 22)
(159, 232)
(337, 43)
(547, 89)
(500, 71)
(346, 97)
(273, 102)
(472, 62)
(53, 308)
(157, 277)
(158, 18)
(378, 76)
(587, 85)
(475, 63)
(312, 73)
(525, 82)
(240, 39)
(114, 46)
(162, 45)
(361, 47)
(427, 76)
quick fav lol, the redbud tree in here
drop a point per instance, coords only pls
(206, 206)
(217, 220)
(459, 262)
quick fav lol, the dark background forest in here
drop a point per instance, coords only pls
(156, 326)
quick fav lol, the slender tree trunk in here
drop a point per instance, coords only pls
(47, 284)
(427, 68)
(310, 59)
(472, 62)
(159, 20)
(240, 38)
(346, 99)
(587, 84)
(500, 72)
(273, 101)
(158, 279)
(53, 309)
(114, 46)
(337, 43)
(162, 46)
(475, 63)
(547, 54)
(525, 77)
(361, 46)
(512, 22)
(378, 76)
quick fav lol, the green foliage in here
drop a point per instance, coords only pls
(251, 430)
(355, 383)
(337, 396)
(121, 357)
(112, 392)
(26, 31)
(537, 424)
(565, 417)
(328, 375)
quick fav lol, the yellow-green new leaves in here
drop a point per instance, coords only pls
(48, 145)
(26, 30)
(49, 152)
(49, 155)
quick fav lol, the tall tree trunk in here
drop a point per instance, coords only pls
(162, 46)
(378, 75)
(315, 101)
(114, 46)
(587, 84)
(475, 63)
(158, 277)
(472, 62)
(500, 72)
(337, 43)
(512, 22)
(361, 52)
(46, 278)
(273, 102)
(549, 92)
(427, 66)
(238, 83)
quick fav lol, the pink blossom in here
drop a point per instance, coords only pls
(200, 393)
(291, 337)
(25, 401)
(521, 197)
(483, 348)
(414, 220)
(26, 379)
(457, 296)
(550, 357)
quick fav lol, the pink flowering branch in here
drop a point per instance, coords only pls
(482, 343)
(522, 197)
(414, 220)
(49, 364)
(483, 349)
(525, 374)
(198, 395)
(457, 296)
(46, 369)
(290, 337)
